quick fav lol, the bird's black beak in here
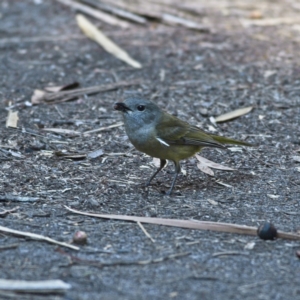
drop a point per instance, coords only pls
(121, 107)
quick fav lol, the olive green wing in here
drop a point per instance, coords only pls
(173, 131)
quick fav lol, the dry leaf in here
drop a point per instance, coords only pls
(205, 169)
(213, 202)
(204, 165)
(95, 34)
(234, 114)
(12, 119)
(38, 96)
(95, 153)
(66, 95)
(55, 89)
(98, 14)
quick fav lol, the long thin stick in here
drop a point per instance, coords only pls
(117, 11)
(191, 224)
(42, 286)
(37, 237)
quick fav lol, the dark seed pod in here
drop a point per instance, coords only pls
(267, 231)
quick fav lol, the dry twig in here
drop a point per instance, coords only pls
(190, 224)
(99, 37)
(36, 237)
(95, 13)
(40, 287)
(7, 211)
(146, 232)
(53, 98)
(117, 11)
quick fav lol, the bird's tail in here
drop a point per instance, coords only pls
(225, 140)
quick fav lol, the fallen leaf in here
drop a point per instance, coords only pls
(213, 202)
(205, 169)
(38, 96)
(233, 114)
(211, 164)
(95, 34)
(12, 119)
(95, 153)
(55, 89)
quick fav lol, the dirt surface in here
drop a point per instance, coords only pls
(192, 75)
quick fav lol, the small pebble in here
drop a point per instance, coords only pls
(80, 237)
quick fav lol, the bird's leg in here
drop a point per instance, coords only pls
(162, 164)
(177, 171)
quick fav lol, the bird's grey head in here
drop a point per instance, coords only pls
(138, 112)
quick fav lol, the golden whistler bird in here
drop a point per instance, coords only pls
(161, 135)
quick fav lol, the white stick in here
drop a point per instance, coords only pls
(42, 286)
(37, 237)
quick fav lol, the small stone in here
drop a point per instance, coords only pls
(203, 112)
(80, 238)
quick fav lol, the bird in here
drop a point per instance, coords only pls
(159, 134)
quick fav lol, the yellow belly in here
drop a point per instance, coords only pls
(172, 152)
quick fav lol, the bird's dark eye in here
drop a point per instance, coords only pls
(141, 107)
